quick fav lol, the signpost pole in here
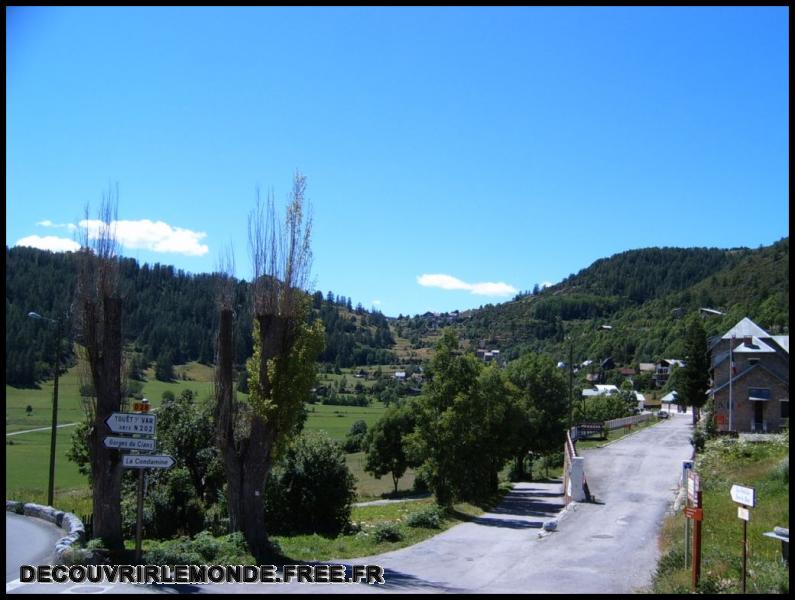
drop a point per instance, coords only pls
(697, 546)
(140, 516)
(745, 549)
(139, 519)
(687, 541)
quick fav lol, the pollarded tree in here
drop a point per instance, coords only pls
(281, 371)
(98, 315)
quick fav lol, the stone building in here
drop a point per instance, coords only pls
(756, 397)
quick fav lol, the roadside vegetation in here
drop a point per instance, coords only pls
(724, 462)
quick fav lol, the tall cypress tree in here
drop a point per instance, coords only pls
(695, 374)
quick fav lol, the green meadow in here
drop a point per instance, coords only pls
(27, 454)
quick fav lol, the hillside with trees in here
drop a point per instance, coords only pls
(643, 294)
(169, 317)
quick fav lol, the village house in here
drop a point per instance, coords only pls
(663, 368)
(750, 375)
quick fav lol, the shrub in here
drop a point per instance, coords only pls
(311, 489)
(699, 439)
(430, 518)
(387, 532)
(201, 550)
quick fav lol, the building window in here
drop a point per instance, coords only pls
(758, 393)
(785, 409)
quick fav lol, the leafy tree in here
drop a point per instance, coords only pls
(601, 408)
(464, 421)
(543, 401)
(355, 437)
(385, 444)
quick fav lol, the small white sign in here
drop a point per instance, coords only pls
(743, 513)
(743, 495)
(693, 485)
(126, 443)
(147, 461)
(143, 424)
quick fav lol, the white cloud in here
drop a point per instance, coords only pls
(156, 236)
(448, 282)
(376, 303)
(48, 223)
(547, 284)
(49, 242)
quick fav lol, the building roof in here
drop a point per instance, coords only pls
(606, 389)
(646, 366)
(756, 346)
(640, 397)
(671, 397)
(674, 361)
(745, 372)
(783, 341)
(746, 328)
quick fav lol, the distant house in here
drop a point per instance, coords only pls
(663, 370)
(400, 375)
(487, 355)
(750, 374)
(627, 371)
(641, 401)
(647, 367)
(670, 398)
(600, 390)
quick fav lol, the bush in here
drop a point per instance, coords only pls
(387, 532)
(201, 550)
(311, 489)
(698, 440)
(430, 518)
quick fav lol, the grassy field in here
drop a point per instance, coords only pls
(27, 454)
(761, 465)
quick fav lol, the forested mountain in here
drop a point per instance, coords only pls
(643, 294)
(169, 316)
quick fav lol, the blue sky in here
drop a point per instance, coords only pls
(453, 155)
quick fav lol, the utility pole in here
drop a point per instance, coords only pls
(57, 368)
(51, 485)
(571, 384)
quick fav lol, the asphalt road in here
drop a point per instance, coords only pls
(609, 546)
(29, 541)
(605, 547)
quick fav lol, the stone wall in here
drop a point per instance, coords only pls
(75, 530)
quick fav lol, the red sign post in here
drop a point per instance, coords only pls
(696, 514)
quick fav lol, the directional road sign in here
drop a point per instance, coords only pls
(128, 443)
(743, 495)
(143, 424)
(147, 461)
